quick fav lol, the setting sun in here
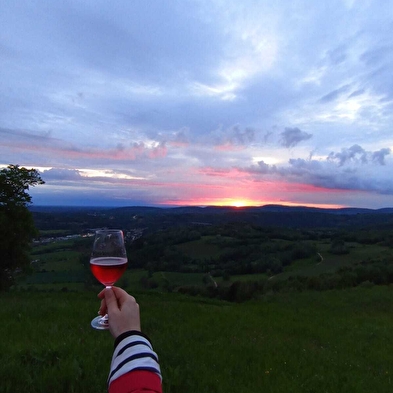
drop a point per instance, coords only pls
(240, 203)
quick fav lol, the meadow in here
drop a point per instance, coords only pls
(330, 341)
(306, 341)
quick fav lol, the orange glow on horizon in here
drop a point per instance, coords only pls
(233, 189)
(239, 203)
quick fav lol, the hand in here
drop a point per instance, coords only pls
(122, 310)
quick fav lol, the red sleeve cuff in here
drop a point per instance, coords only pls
(135, 382)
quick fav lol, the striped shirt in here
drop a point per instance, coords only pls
(133, 352)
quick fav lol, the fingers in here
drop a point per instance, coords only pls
(110, 300)
(122, 309)
(101, 295)
(103, 308)
(121, 294)
(113, 299)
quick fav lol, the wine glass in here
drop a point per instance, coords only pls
(108, 262)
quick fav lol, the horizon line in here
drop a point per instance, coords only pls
(292, 206)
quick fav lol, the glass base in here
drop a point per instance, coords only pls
(100, 323)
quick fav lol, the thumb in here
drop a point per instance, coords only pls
(111, 300)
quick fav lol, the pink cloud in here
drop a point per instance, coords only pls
(229, 146)
(160, 151)
(231, 173)
(178, 144)
(137, 150)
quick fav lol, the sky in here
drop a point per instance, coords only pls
(200, 102)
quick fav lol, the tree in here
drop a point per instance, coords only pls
(16, 222)
(338, 247)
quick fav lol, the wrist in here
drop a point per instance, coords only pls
(129, 333)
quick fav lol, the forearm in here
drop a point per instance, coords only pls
(134, 366)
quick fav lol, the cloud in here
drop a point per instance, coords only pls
(377, 55)
(180, 138)
(337, 55)
(233, 137)
(61, 174)
(292, 136)
(355, 154)
(357, 93)
(158, 151)
(160, 90)
(333, 95)
(326, 175)
(265, 169)
(14, 135)
(45, 147)
(349, 169)
(379, 156)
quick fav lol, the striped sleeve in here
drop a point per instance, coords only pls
(133, 351)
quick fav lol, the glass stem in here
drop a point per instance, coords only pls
(105, 318)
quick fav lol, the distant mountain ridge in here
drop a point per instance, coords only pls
(283, 208)
(270, 208)
(343, 210)
(160, 218)
(216, 209)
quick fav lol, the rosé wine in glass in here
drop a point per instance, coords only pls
(108, 262)
(108, 270)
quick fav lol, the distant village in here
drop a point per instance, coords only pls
(129, 236)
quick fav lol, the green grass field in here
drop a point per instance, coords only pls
(298, 342)
(332, 341)
(331, 262)
(201, 248)
(58, 265)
